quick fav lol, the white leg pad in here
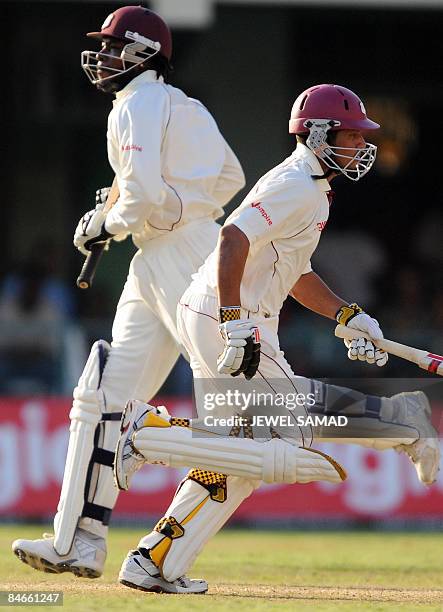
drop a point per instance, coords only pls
(203, 525)
(273, 461)
(85, 415)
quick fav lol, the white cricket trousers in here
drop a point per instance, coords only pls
(200, 516)
(145, 343)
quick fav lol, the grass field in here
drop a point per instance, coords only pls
(262, 570)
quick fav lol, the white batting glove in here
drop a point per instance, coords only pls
(360, 348)
(101, 197)
(90, 229)
(364, 350)
(241, 353)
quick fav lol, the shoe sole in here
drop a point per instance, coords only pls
(158, 589)
(431, 435)
(43, 565)
(118, 459)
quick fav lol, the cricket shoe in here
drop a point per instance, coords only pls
(425, 451)
(86, 558)
(139, 572)
(127, 459)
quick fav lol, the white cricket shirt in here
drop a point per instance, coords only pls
(283, 217)
(171, 162)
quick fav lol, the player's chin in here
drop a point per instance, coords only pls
(106, 86)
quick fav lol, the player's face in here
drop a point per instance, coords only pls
(347, 139)
(109, 57)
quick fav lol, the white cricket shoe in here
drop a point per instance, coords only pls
(425, 451)
(138, 572)
(127, 459)
(86, 558)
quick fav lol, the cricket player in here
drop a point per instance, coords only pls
(228, 321)
(175, 174)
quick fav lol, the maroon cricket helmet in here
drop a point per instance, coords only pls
(331, 102)
(136, 19)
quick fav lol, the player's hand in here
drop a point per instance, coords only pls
(241, 353)
(364, 350)
(101, 197)
(360, 348)
(91, 229)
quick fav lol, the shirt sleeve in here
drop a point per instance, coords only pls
(139, 131)
(281, 209)
(231, 178)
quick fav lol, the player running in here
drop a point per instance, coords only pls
(175, 173)
(263, 255)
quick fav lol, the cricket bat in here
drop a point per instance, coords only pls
(424, 359)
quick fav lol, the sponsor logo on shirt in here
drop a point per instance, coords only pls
(132, 147)
(321, 226)
(262, 211)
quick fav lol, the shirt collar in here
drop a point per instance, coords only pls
(305, 154)
(149, 76)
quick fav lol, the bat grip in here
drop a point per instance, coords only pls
(347, 333)
(87, 273)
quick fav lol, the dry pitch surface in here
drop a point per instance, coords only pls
(262, 570)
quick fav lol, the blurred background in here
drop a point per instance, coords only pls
(247, 61)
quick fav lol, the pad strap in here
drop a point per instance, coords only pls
(99, 513)
(102, 456)
(212, 481)
(170, 527)
(112, 416)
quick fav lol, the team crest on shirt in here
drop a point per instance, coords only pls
(262, 211)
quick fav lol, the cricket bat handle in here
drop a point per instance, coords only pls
(87, 273)
(424, 359)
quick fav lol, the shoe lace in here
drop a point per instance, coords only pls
(183, 581)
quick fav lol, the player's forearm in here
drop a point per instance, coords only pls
(313, 293)
(232, 254)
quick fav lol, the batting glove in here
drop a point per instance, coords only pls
(101, 197)
(241, 354)
(360, 348)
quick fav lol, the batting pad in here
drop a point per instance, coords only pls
(85, 415)
(200, 519)
(273, 461)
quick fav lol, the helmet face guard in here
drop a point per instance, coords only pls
(328, 107)
(132, 55)
(357, 162)
(143, 34)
